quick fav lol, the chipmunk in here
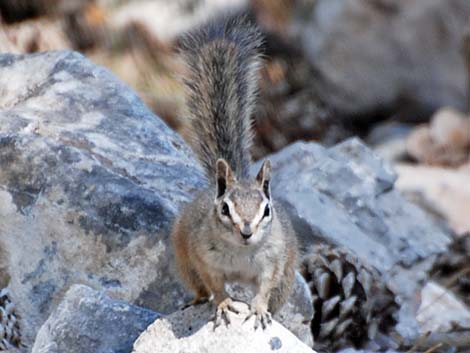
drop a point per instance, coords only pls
(233, 231)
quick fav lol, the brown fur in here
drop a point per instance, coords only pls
(195, 235)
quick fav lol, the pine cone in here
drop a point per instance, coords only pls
(9, 326)
(452, 268)
(350, 301)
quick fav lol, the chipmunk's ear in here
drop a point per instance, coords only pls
(224, 177)
(264, 177)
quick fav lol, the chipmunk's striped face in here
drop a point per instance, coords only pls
(244, 207)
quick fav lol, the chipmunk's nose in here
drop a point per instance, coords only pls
(246, 232)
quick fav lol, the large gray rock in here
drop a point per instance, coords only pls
(345, 196)
(378, 55)
(88, 321)
(90, 181)
(190, 331)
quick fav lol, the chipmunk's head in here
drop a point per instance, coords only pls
(243, 207)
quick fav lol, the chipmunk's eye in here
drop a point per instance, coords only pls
(267, 211)
(225, 210)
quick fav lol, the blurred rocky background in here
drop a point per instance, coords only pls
(392, 272)
(333, 69)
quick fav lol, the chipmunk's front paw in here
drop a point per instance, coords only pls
(221, 314)
(262, 315)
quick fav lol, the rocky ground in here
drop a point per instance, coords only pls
(91, 179)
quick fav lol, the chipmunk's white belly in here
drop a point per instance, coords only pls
(241, 267)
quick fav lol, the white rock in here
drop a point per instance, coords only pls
(440, 310)
(166, 20)
(443, 190)
(296, 314)
(191, 331)
(450, 128)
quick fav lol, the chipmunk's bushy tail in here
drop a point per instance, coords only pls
(223, 62)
